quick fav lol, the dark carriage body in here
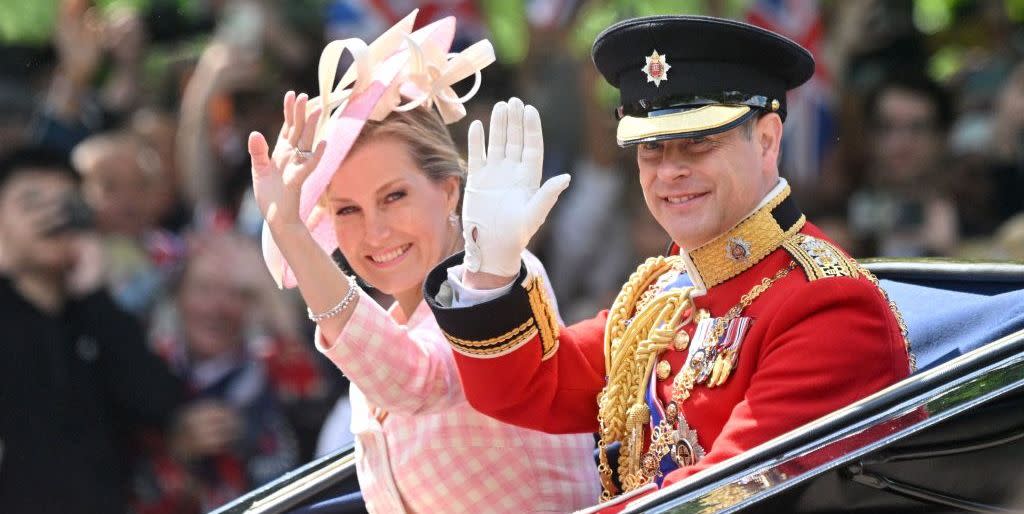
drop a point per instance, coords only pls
(949, 438)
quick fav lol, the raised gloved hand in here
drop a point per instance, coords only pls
(505, 203)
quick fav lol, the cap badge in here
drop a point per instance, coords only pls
(738, 249)
(656, 68)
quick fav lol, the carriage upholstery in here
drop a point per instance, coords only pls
(953, 308)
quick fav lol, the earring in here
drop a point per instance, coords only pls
(453, 219)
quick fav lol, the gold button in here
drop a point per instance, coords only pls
(664, 368)
(681, 341)
(671, 411)
(775, 105)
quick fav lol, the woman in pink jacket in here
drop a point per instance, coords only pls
(381, 181)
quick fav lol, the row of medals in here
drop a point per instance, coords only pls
(673, 435)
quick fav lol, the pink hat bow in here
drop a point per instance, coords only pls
(400, 64)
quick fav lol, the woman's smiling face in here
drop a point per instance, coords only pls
(390, 219)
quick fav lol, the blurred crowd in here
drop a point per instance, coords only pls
(201, 377)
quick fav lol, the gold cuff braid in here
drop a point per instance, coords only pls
(494, 346)
(542, 321)
(547, 322)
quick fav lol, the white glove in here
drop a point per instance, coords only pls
(504, 204)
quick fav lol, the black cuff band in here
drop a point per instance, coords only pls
(497, 326)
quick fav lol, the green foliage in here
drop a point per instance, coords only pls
(27, 22)
(599, 14)
(109, 5)
(510, 33)
(32, 22)
(945, 62)
(1015, 10)
(931, 16)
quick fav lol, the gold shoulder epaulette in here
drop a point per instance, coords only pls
(820, 258)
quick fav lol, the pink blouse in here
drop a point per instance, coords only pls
(429, 451)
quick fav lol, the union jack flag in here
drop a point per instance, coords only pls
(810, 131)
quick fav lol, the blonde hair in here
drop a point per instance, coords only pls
(427, 139)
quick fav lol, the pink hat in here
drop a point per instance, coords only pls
(400, 64)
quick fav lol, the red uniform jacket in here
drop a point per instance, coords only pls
(820, 338)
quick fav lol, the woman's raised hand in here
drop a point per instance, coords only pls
(277, 178)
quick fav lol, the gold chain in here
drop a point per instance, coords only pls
(604, 468)
(662, 436)
(896, 312)
(684, 381)
(661, 443)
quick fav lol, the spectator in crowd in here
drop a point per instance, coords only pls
(239, 374)
(1006, 244)
(992, 45)
(232, 91)
(871, 39)
(908, 121)
(120, 173)
(84, 38)
(75, 374)
(157, 129)
(17, 113)
(122, 176)
(225, 97)
(551, 75)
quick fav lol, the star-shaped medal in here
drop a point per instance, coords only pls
(656, 68)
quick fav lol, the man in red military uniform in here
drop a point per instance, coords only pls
(755, 324)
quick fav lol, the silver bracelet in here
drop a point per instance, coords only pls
(334, 311)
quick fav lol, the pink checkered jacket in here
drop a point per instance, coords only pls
(432, 452)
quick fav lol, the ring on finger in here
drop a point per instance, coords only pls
(301, 156)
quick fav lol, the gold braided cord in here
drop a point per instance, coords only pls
(620, 350)
(660, 319)
(645, 274)
(612, 400)
(625, 386)
(635, 368)
(633, 341)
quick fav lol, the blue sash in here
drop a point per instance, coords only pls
(667, 464)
